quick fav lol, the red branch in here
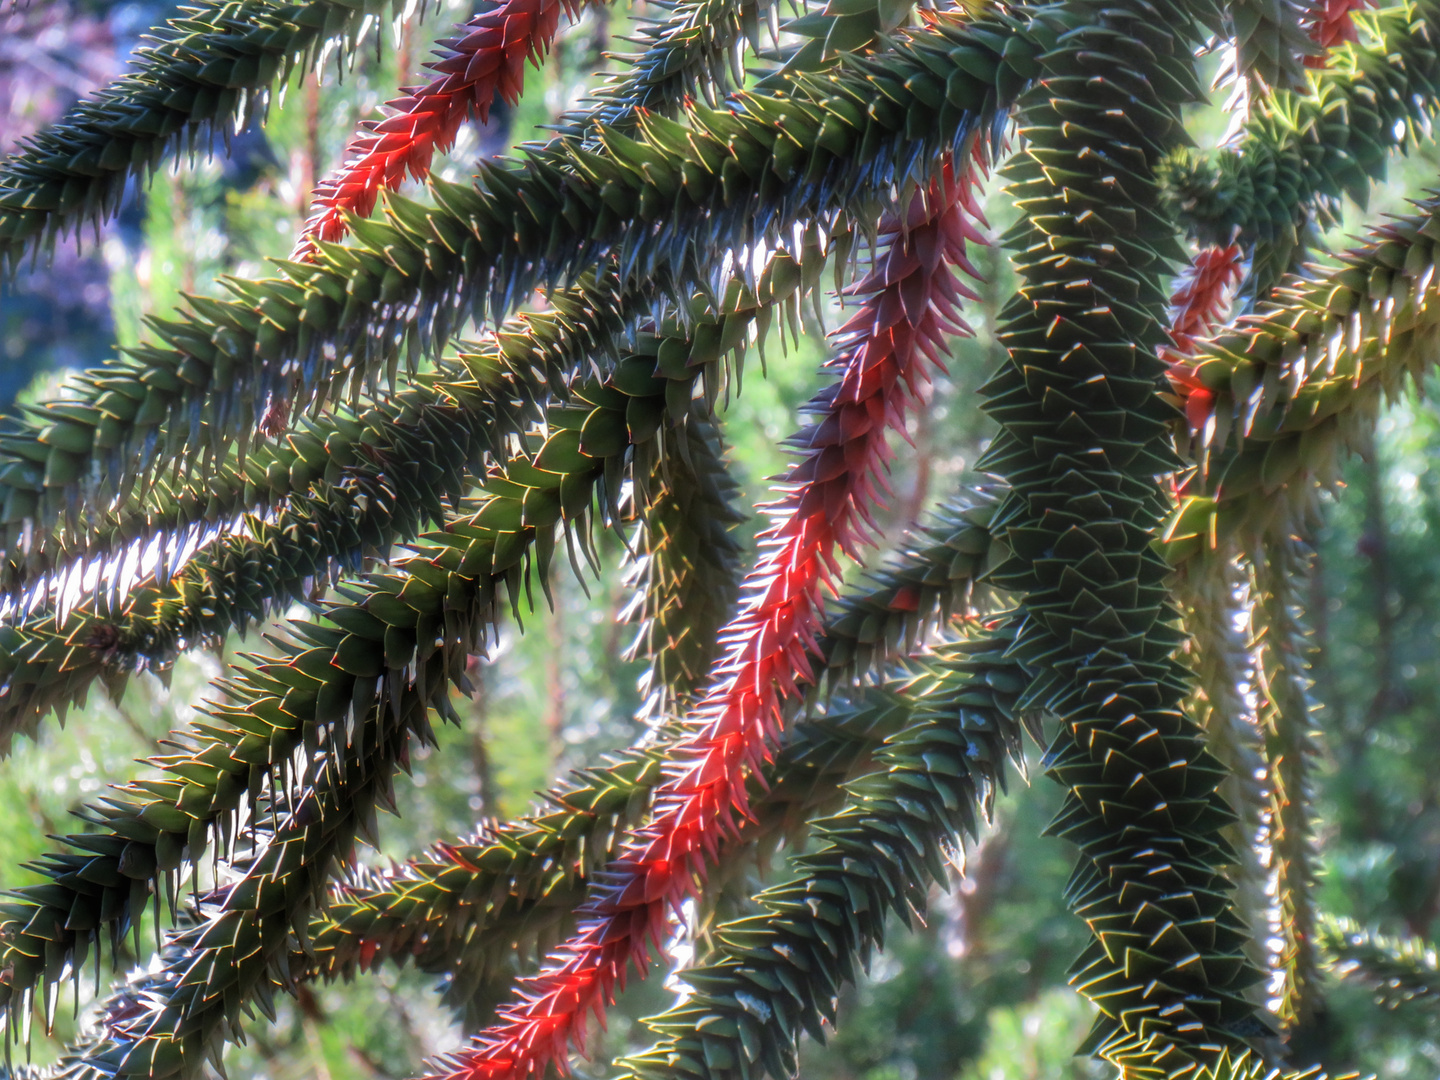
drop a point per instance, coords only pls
(488, 60)
(886, 354)
(1197, 307)
(1332, 26)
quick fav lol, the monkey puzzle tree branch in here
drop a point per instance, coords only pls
(1083, 438)
(1280, 568)
(431, 902)
(408, 282)
(1271, 44)
(340, 490)
(359, 484)
(884, 359)
(527, 501)
(688, 569)
(164, 1023)
(518, 883)
(1301, 152)
(531, 357)
(468, 910)
(1281, 395)
(775, 976)
(208, 71)
(1223, 663)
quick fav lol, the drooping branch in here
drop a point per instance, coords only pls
(468, 910)
(405, 285)
(1223, 662)
(337, 491)
(687, 574)
(166, 1022)
(205, 73)
(695, 50)
(531, 357)
(886, 353)
(775, 976)
(528, 502)
(935, 570)
(486, 61)
(1289, 390)
(525, 880)
(1300, 153)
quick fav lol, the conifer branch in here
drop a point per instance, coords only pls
(1300, 153)
(1272, 45)
(538, 864)
(694, 52)
(546, 859)
(1286, 391)
(486, 61)
(368, 482)
(532, 357)
(934, 573)
(344, 489)
(1223, 662)
(1083, 438)
(206, 73)
(468, 911)
(165, 1023)
(775, 976)
(886, 354)
(687, 574)
(575, 473)
(1283, 649)
(406, 284)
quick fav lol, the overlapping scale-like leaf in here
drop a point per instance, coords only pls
(775, 976)
(1301, 152)
(407, 282)
(1083, 440)
(207, 70)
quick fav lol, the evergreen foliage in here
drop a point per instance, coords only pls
(378, 448)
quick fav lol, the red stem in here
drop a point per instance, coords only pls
(488, 60)
(887, 353)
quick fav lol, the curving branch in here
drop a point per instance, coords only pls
(1290, 389)
(1280, 571)
(773, 977)
(205, 73)
(408, 282)
(885, 356)
(487, 60)
(1301, 152)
